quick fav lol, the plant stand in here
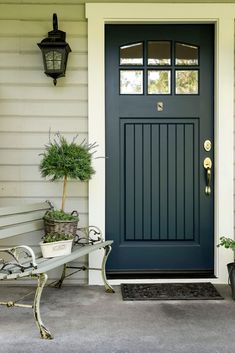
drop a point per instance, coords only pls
(231, 273)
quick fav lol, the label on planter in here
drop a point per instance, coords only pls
(58, 247)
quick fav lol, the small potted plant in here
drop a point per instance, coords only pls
(229, 243)
(56, 244)
(63, 161)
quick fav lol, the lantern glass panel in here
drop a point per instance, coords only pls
(53, 60)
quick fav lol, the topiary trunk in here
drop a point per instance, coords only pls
(64, 192)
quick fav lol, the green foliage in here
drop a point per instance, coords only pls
(228, 243)
(159, 82)
(62, 159)
(60, 215)
(52, 237)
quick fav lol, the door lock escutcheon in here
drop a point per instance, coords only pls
(207, 145)
(207, 163)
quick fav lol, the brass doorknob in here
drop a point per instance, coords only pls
(208, 165)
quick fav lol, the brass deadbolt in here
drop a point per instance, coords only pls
(207, 145)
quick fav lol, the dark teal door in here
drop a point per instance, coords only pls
(159, 115)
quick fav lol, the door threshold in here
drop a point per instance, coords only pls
(159, 274)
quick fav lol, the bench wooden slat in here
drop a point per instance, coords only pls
(24, 208)
(20, 229)
(3, 276)
(13, 275)
(13, 268)
(21, 218)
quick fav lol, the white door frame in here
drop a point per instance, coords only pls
(98, 14)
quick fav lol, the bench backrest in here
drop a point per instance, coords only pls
(16, 220)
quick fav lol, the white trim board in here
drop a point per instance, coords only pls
(98, 14)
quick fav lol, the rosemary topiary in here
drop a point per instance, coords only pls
(62, 160)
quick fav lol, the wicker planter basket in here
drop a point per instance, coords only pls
(55, 226)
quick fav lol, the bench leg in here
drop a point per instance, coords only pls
(108, 288)
(63, 275)
(45, 333)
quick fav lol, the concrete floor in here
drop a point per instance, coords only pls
(87, 320)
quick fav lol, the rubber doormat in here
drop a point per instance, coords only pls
(170, 291)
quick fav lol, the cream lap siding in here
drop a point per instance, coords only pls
(30, 105)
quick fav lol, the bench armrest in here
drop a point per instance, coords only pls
(89, 235)
(22, 257)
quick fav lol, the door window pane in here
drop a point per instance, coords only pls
(186, 54)
(131, 81)
(186, 81)
(131, 54)
(159, 81)
(159, 53)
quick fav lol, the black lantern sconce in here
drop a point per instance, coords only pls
(55, 52)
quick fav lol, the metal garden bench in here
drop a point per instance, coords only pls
(20, 261)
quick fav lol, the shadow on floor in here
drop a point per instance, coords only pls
(85, 319)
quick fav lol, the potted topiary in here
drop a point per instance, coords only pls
(63, 161)
(229, 243)
(56, 244)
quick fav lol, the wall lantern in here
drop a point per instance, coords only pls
(55, 52)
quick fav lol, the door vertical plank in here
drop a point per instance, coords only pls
(189, 182)
(172, 181)
(180, 181)
(155, 182)
(139, 193)
(163, 182)
(129, 182)
(147, 171)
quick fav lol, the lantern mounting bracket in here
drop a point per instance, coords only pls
(55, 22)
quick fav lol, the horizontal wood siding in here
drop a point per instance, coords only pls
(30, 105)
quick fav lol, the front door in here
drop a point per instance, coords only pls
(159, 148)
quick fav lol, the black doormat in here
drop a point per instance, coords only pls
(170, 291)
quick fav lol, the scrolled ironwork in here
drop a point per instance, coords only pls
(88, 235)
(20, 258)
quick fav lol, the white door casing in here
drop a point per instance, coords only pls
(221, 15)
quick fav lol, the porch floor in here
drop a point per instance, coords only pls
(85, 319)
